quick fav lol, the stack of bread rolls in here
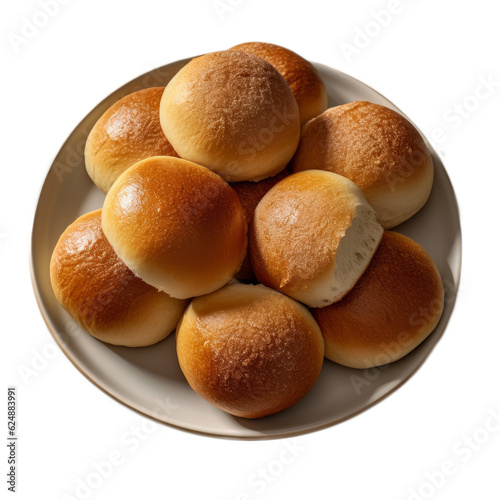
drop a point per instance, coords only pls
(238, 169)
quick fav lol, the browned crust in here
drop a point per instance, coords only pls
(249, 350)
(296, 230)
(393, 307)
(377, 149)
(233, 113)
(129, 131)
(302, 77)
(95, 287)
(250, 194)
(178, 219)
(365, 142)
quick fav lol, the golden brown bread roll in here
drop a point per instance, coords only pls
(313, 234)
(249, 194)
(303, 78)
(249, 350)
(177, 225)
(377, 149)
(394, 306)
(102, 295)
(233, 113)
(129, 131)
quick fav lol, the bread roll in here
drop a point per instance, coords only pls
(177, 225)
(313, 235)
(102, 295)
(305, 82)
(249, 350)
(395, 305)
(377, 149)
(129, 131)
(249, 194)
(233, 113)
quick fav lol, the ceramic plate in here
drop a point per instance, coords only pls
(149, 379)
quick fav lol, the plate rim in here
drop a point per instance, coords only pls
(256, 434)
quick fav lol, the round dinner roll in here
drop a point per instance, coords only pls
(250, 193)
(129, 131)
(395, 305)
(377, 149)
(249, 350)
(233, 113)
(101, 293)
(312, 236)
(177, 225)
(303, 78)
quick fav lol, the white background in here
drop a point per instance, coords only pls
(428, 59)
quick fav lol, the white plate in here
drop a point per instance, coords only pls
(149, 379)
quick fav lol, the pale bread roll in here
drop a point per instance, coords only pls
(233, 113)
(177, 225)
(312, 236)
